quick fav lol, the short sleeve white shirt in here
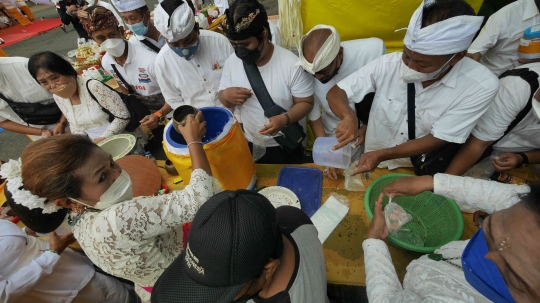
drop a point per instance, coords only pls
(498, 40)
(511, 98)
(194, 82)
(284, 79)
(138, 69)
(448, 109)
(356, 54)
(137, 40)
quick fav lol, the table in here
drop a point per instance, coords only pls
(343, 249)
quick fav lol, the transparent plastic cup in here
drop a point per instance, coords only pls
(323, 154)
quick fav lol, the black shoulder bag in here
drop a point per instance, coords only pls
(435, 161)
(293, 133)
(35, 113)
(130, 89)
(137, 111)
(154, 102)
(150, 45)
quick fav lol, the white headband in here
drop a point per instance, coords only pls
(326, 54)
(181, 22)
(447, 37)
(12, 172)
(128, 5)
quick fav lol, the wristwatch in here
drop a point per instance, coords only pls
(160, 116)
(525, 161)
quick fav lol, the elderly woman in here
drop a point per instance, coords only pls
(82, 101)
(500, 263)
(132, 238)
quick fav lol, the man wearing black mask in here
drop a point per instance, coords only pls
(290, 88)
(329, 60)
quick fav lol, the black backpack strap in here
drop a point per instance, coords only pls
(128, 86)
(411, 118)
(259, 88)
(102, 107)
(531, 78)
(150, 45)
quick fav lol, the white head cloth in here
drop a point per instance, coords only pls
(447, 37)
(326, 54)
(181, 25)
(128, 5)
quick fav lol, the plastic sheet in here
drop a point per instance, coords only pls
(395, 216)
(331, 213)
(356, 182)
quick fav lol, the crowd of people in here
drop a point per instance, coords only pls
(455, 96)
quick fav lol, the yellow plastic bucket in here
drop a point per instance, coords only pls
(226, 148)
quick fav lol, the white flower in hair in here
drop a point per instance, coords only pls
(12, 172)
(11, 169)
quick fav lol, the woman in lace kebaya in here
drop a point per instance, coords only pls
(132, 238)
(500, 263)
(74, 98)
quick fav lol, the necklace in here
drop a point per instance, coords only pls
(73, 221)
(439, 257)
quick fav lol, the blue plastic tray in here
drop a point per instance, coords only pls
(306, 183)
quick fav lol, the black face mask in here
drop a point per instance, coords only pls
(248, 56)
(329, 77)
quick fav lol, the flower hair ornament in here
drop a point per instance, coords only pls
(12, 172)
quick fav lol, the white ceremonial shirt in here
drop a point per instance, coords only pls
(284, 79)
(356, 54)
(193, 82)
(137, 40)
(498, 40)
(512, 97)
(427, 280)
(28, 274)
(448, 109)
(17, 84)
(138, 69)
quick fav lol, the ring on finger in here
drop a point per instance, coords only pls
(325, 170)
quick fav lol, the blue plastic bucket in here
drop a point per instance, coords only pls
(216, 118)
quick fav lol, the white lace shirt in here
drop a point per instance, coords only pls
(138, 239)
(437, 281)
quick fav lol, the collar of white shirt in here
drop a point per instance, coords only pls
(529, 10)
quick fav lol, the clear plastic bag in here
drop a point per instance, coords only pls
(259, 145)
(395, 216)
(355, 183)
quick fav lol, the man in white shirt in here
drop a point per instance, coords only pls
(189, 67)
(323, 55)
(517, 147)
(496, 44)
(136, 15)
(288, 85)
(132, 65)
(17, 85)
(451, 91)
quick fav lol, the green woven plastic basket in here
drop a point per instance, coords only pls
(435, 218)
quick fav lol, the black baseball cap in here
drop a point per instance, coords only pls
(233, 236)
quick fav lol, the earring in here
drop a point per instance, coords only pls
(78, 208)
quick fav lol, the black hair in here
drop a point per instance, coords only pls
(169, 6)
(142, 10)
(532, 200)
(440, 10)
(241, 9)
(35, 219)
(52, 62)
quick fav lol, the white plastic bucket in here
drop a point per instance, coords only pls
(323, 154)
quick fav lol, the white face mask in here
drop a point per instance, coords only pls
(121, 190)
(536, 107)
(115, 47)
(409, 75)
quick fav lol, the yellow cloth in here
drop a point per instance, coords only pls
(365, 18)
(2, 53)
(27, 12)
(14, 12)
(230, 159)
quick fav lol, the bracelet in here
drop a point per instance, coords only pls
(194, 142)
(288, 118)
(525, 161)
(53, 251)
